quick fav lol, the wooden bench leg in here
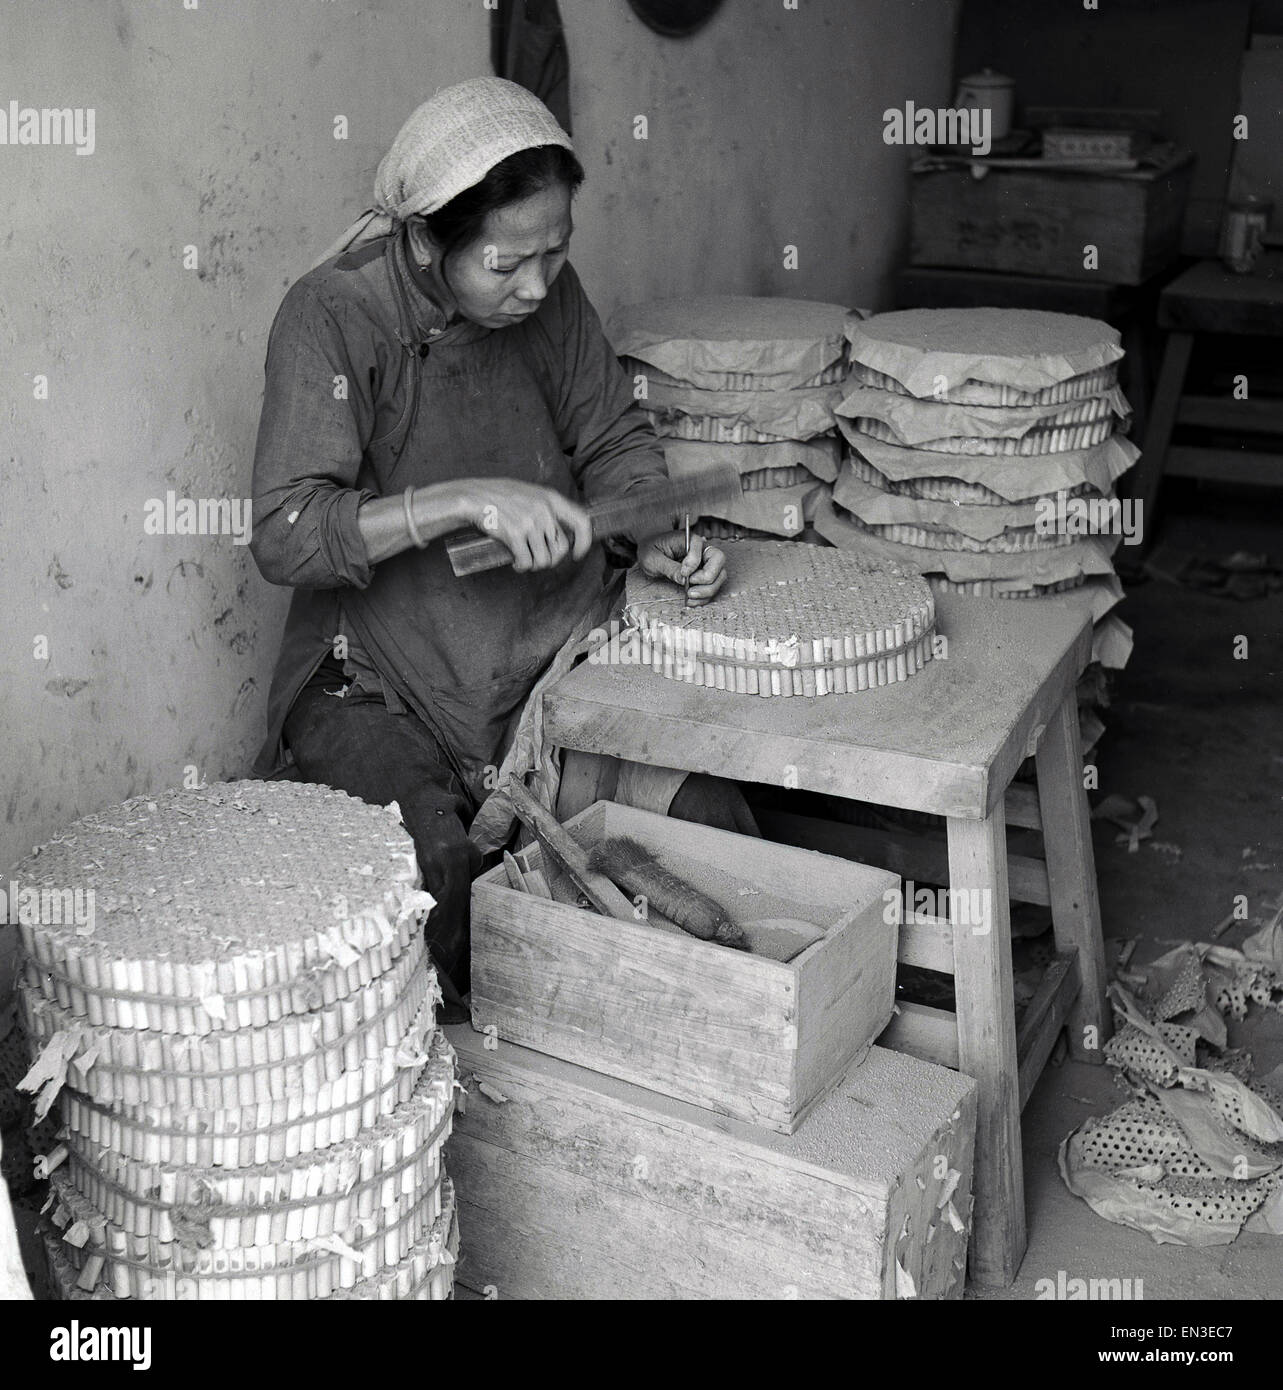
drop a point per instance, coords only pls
(1158, 430)
(1136, 365)
(987, 1041)
(585, 778)
(1071, 876)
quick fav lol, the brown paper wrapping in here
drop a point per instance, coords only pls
(819, 456)
(779, 511)
(915, 422)
(798, 414)
(1076, 388)
(703, 340)
(1014, 479)
(1041, 567)
(1025, 348)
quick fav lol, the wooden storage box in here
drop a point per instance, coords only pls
(574, 1185)
(1037, 221)
(741, 1034)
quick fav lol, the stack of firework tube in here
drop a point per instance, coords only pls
(240, 1037)
(983, 449)
(751, 382)
(792, 619)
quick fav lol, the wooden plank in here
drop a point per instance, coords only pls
(924, 1032)
(1158, 437)
(736, 1033)
(845, 992)
(948, 741)
(1057, 682)
(537, 1230)
(585, 778)
(1022, 806)
(1135, 372)
(1249, 466)
(919, 855)
(636, 720)
(1044, 1018)
(926, 942)
(569, 856)
(577, 1185)
(1071, 873)
(984, 991)
(1251, 416)
(1044, 997)
(1208, 298)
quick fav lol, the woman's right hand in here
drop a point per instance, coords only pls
(538, 524)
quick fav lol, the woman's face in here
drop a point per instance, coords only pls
(505, 274)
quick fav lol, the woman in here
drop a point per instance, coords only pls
(442, 368)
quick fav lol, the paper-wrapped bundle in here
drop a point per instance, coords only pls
(779, 489)
(1058, 518)
(943, 427)
(1029, 356)
(983, 450)
(757, 380)
(734, 342)
(787, 461)
(237, 1021)
(1008, 541)
(739, 417)
(988, 481)
(1041, 567)
(965, 426)
(1077, 388)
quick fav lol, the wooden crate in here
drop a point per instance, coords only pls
(574, 1185)
(737, 1033)
(1031, 221)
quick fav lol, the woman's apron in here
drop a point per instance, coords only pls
(463, 653)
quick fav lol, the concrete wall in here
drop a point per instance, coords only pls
(214, 128)
(1193, 53)
(765, 131)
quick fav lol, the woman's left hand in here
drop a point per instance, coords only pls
(666, 557)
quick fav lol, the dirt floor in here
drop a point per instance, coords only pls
(1202, 734)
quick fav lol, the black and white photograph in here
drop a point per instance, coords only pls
(641, 663)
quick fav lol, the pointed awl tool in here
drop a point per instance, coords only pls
(686, 579)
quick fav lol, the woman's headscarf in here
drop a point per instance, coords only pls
(450, 143)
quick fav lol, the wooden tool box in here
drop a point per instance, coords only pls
(737, 1033)
(574, 1185)
(1031, 218)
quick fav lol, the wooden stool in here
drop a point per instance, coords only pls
(949, 742)
(1207, 298)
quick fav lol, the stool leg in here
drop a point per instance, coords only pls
(987, 1042)
(585, 778)
(1071, 875)
(1158, 431)
(1138, 384)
